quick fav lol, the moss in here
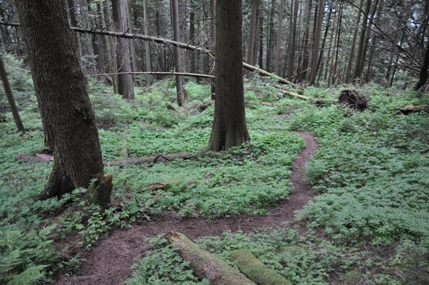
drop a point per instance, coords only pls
(256, 270)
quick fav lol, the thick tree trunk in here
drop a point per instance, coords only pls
(67, 116)
(125, 81)
(229, 126)
(10, 98)
(423, 71)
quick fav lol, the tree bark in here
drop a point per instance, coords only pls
(316, 42)
(178, 54)
(205, 264)
(229, 126)
(270, 37)
(423, 71)
(292, 43)
(279, 37)
(67, 116)
(149, 78)
(10, 98)
(352, 48)
(360, 50)
(125, 81)
(109, 54)
(306, 41)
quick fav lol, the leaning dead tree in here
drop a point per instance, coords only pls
(167, 42)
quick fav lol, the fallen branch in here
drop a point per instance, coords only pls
(166, 42)
(157, 73)
(256, 270)
(38, 158)
(148, 159)
(205, 264)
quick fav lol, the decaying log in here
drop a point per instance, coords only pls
(205, 264)
(149, 159)
(255, 270)
(409, 109)
(37, 158)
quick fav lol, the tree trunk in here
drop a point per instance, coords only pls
(67, 116)
(252, 40)
(423, 71)
(179, 55)
(109, 54)
(352, 48)
(193, 68)
(316, 42)
(306, 41)
(279, 36)
(133, 53)
(360, 50)
(125, 81)
(10, 98)
(373, 42)
(158, 22)
(149, 78)
(270, 37)
(292, 43)
(229, 126)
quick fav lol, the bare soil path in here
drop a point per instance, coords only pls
(109, 263)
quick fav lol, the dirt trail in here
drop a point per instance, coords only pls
(109, 263)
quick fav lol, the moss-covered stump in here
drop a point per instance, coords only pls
(256, 270)
(100, 191)
(205, 264)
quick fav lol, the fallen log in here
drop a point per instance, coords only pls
(38, 158)
(148, 159)
(409, 109)
(255, 270)
(205, 264)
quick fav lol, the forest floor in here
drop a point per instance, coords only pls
(110, 261)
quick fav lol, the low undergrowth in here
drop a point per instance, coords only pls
(370, 173)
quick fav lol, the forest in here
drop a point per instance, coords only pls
(214, 142)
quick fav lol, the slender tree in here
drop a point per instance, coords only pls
(125, 80)
(424, 74)
(229, 126)
(279, 36)
(316, 43)
(67, 116)
(10, 98)
(147, 44)
(179, 56)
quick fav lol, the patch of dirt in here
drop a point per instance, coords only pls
(109, 263)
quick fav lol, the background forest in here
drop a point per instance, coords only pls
(367, 223)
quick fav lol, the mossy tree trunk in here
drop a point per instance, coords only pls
(229, 126)
(64, 105)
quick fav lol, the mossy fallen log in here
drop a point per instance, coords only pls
(205, 264)
(409, 109)
(255, 270)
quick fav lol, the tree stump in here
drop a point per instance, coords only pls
(353, 99)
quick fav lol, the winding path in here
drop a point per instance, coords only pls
(111, 260)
